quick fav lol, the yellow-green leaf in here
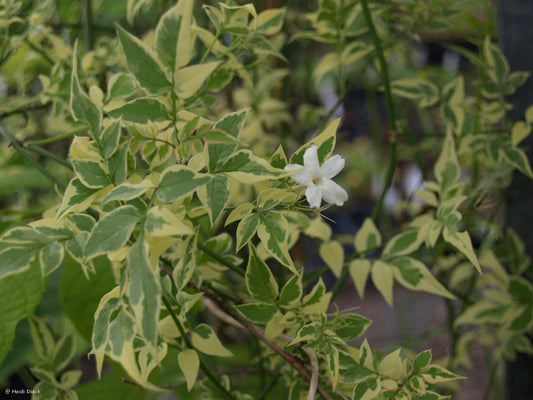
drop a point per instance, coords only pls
(189, 80)
(414, 275)
(462, 242)
(359, 271)
(161, 222)
(391, 366)
(333, 255)
(205, 340)
(519, 132)
(403, 243)
(367, 237)
(173, 39)
(142, 63)
(189, 363)
(273, 231)
(383, 279)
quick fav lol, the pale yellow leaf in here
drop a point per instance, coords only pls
(189, 363)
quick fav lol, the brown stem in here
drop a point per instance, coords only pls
(293, 361)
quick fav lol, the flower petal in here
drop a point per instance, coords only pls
(314, 196)
(304, 177)
(333, 193)
(311, 159)
(332, 166)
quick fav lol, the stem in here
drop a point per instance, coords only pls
(86, 15)
(390, 110)
(40, 51)
(215, 256)
(293, 361)
(52, 156)
(30, 160)
(23, 108)
(81, 129)
(188, 343)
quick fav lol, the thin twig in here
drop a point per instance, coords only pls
(188, 343)
(214, 255)
(390, 110)
(14, 143)
(293, 361)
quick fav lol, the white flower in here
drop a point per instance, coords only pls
(317, 179)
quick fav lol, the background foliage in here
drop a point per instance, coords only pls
(148, 218)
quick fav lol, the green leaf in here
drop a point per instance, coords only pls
(332, 364)
(118, 164)
(143, 64)
(359, 271)
(262, 46)
(189, 363)
(367, 237)
(144, 292)
(368, 389)
(446, 168)
(414, 275)
(258, 313)
(269, 22)
(383, 278)
(260, 282)
(436, 374)
(520, 289)
(19, 294)
(518, 159)
(310, 332)
(246, 229)
(402, 244)
(232, 124)
(42, 338)
(162, 222)
(64, 351)
(184, 269)
(81, 105)
(91, 173)
(273, 231)
(189, 80)
(173, 40)
(112, 232)
(422, 360)
(15, 260)
(121, 332)
(178, 181)
(141, 110)
(110, 138)
(110, 386)
(333, 255)
(496, 61)
(462, 242)
(424, 91)
(325, 143)
(247, 168)
(350, 326)
(80, 296)
(128, 191)
(205, 340)
(519, 132)
(239, 213)
(291, 292)
(51, 257)
(109, 304)
(120, 85)
(316, 301)
(23, 236)
(215, 195)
